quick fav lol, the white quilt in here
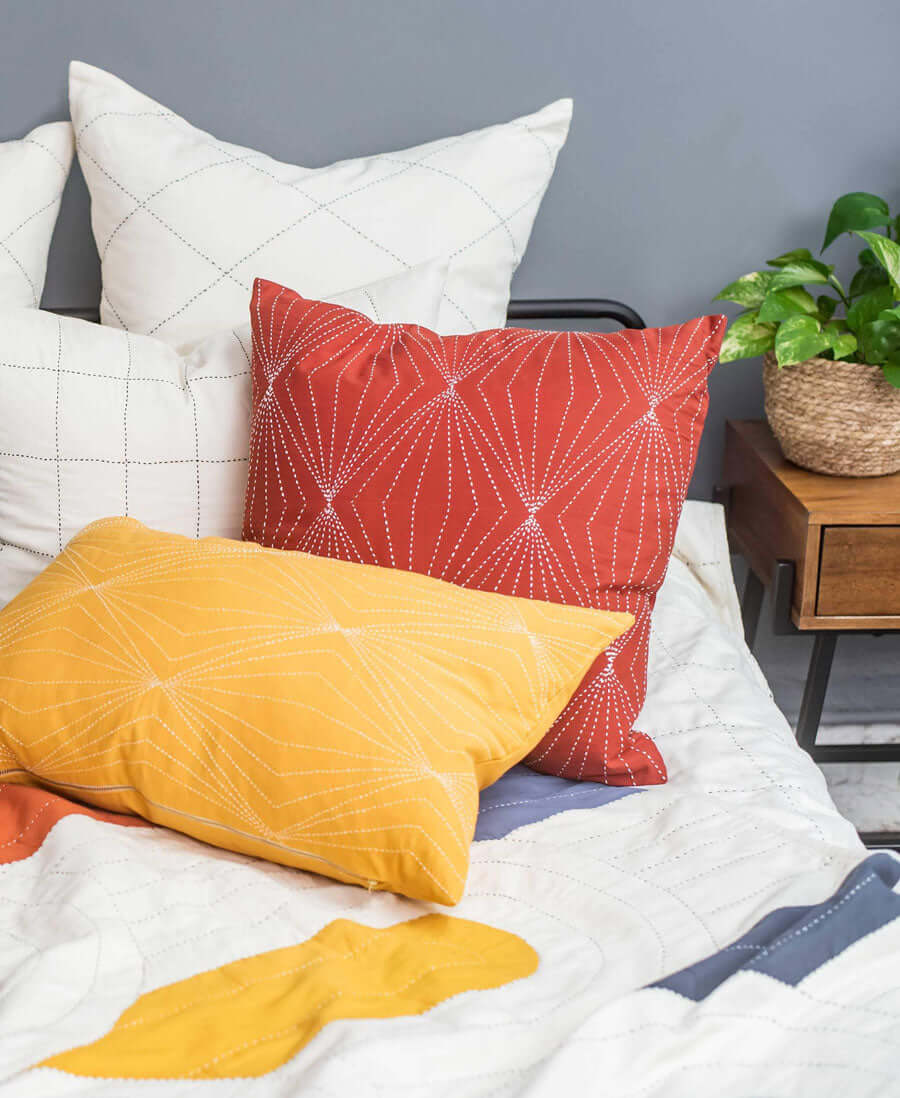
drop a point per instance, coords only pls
(612, 898)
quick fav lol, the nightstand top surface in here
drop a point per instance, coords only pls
(828, 500)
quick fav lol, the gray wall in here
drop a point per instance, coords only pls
(708, 135)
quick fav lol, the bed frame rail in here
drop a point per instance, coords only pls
(539, 308)
(574, 308)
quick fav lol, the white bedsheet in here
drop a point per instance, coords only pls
(612, 898)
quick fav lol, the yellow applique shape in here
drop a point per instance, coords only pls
(331, 716)
(253, 1015)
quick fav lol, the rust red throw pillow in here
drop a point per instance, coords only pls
(550, 465)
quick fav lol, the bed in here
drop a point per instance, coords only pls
(725, 933)
(722, 933)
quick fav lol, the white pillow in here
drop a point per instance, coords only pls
(184, 222)
(97, 422)
(33, 172)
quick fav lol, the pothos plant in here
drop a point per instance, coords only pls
(799, 309)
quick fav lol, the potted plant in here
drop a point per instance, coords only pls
(831, 370)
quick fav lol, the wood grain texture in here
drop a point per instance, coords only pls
(860, 571)
(839, 501)
(847, 528)
(766, 520)
(847, 623)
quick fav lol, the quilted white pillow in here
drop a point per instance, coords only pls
(185, 222)
(33, 172)
(97, 422)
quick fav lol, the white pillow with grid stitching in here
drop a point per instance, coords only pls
(96, 422)
(33, 173)
(185, 222)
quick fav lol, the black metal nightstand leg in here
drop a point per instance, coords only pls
(751, 605)
(814, 691)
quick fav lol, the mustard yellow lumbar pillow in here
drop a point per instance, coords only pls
(332, 716)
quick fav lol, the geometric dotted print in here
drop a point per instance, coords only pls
(334, 717)
(202, 218)
(98, 422)
(33, 173)
(546, 465)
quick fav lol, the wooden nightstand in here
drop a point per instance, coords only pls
(829, 550)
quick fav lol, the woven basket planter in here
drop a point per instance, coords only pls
(840, 418)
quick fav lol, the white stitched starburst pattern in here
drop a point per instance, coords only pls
(331, 716)
(547, 465)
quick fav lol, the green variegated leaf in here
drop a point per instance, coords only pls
(748, 290)
(881, 337)
(798, 255)
(825, 306)
(780, 304)
(891, 371)
(841, 342)
(854, 211)
(796, 274)
(868, 306)
(799, 338)
(888, 255)
(746, 337)
(868, 278)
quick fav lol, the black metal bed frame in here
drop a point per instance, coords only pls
(574, 308)
(824, 643)
(538, 308)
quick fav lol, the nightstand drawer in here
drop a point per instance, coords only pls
(860, 571)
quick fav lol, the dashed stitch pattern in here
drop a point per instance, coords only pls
(33, 173)
(205, 217)
(546, 465)
(249, 1017)
(326, 715)
(97, 422)
(611, 899)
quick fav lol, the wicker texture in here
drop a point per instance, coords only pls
(840, 418)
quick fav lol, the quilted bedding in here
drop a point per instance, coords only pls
(725, 933)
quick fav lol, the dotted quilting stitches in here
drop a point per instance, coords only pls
(33, 173)
(547, 465)
(99, 422)
(324, 715)
(748, 828)
(206, 216)
(249, 1017)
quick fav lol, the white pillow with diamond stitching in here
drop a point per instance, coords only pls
(33, 173)
(97, 422)
(185, 222)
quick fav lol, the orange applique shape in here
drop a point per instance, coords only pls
(28, 814)
(251, 1016)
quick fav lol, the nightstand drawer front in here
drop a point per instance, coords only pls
(860, 571)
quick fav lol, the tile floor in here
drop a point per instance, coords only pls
(866, 793)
